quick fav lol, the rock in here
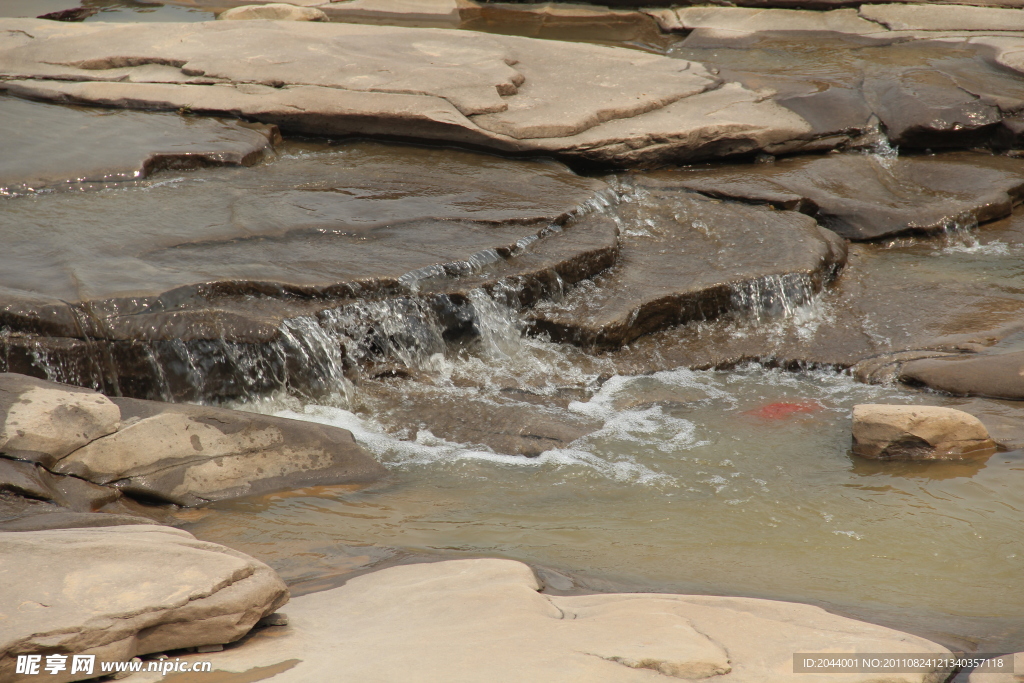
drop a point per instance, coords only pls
(503, 93)
(892, 432)
(570, 22)
(1005, 669)
(274, 11)
(121, 591)
(190, 455)
(45, 521)
(507, 427)
(256, 267)
(43, 421)
(32, 481)
(435, 13)
(690, 258)
(429, 615)
(931, 17)
(868, 197)
(52, 147)
(750, 20)
(993, 375)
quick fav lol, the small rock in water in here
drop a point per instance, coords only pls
(890, 432)
(275, 619)
(275, 11)
(781, 409)
(209, 648)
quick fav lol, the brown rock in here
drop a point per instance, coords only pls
(932, 17)
(32, 481)
(994, 375)
(894, 432)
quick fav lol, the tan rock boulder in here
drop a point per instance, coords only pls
(995, 375)
(506, 93)
(750, 20)
(190, 455)
(894, 432)
(121, 591)
(484, 620)
(44, 421)
(932, 17)
(274, 11)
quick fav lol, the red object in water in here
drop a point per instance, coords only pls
(777, 411)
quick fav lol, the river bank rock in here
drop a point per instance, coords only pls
(56, 147)
(894, 432)
(43, 421)
(504, 93)
(274, 11)
(122, 591)
(431, 615)
(929, 17)
(686, 257)
(993, 375)
(186, 455)
(751, 20)
(866, 197)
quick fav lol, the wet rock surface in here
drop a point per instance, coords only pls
(995, 375)
(889, 432)
(121, 591)
(72, 148)
(864, 197)
(475, 604)
(236, 253)
(275, 11)
(690, 258)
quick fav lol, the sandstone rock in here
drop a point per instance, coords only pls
(929, 17)
(430, 615)
(866, 197)
(505, 93)
(123, 591)
(894, 432)
(435, 13)
(63, 147)
(42, 421)
(189, 455)
(750, 20)
(569, 22)
(1008, 670)
(690, 258)
(994, 375)
(32, 481)
(275, 11)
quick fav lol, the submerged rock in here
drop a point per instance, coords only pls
(51, 147)
(864, 196)
(686, 257)
(274, 11)
(994, 375)
(511, 94)
(122, 591)
(429, 615)
(895, 432)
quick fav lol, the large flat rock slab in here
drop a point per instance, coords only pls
(753, 20)
(505, 93)
(686, 257)
(928, 17)
(122, 591)
(863, 196)
(993, 375)
(473, 620)
(227, 256)
(50, 147)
